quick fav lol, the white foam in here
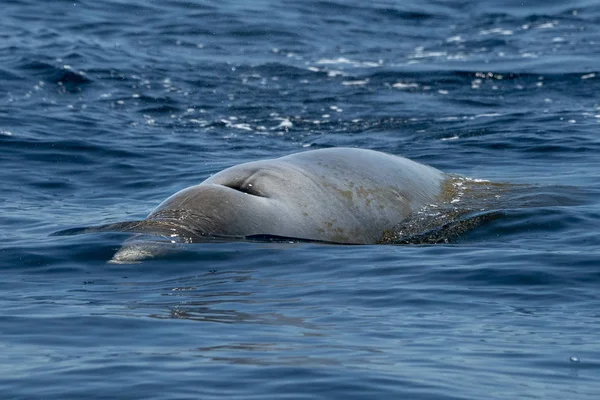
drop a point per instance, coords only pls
(402, 85)
(355, 83)
(548, 25)
(488, 115)
(346, 61)
(455, 39)
(450, 138)
(499, 31)
(284, 124)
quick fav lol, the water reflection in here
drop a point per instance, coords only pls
(219, 297)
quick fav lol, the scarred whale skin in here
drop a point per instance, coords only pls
(340, 195)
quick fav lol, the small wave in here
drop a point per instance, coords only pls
(64, 75)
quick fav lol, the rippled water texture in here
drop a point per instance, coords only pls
(107, 108)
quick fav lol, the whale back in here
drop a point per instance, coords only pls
(335, 195)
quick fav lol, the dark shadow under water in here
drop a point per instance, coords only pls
(470, 203)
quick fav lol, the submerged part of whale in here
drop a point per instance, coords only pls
(336, 195)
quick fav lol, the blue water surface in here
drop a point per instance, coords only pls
(107, 108)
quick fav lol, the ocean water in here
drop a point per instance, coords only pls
(107, 108)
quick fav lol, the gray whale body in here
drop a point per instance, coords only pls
(335, 195)
(339, 195)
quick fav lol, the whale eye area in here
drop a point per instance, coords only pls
(244, 187)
